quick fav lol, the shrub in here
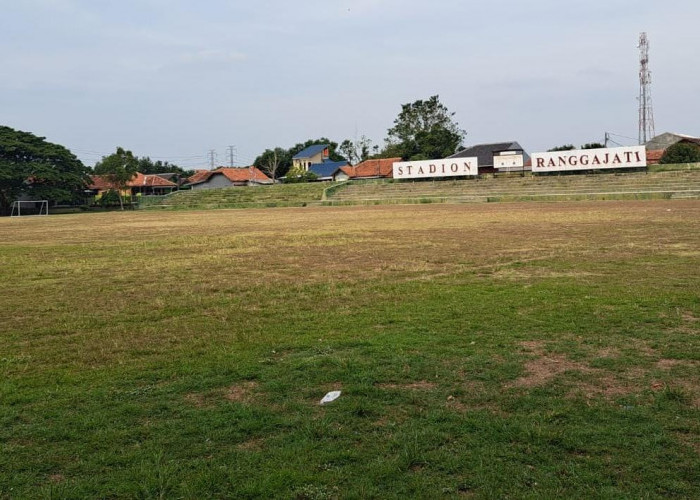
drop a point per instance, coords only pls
(681, 152)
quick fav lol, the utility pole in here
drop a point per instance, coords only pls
(646, 112)
(607, 138)
(212, 159)
(232, 153)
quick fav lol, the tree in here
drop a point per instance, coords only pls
(593, 145)
(119, 168)
(275, 162)
(424, 130)
(148, 166)
(681, 152)
(31, 166)
(297, 175)
(565, 147)
(356, 151)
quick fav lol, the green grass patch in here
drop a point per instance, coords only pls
(520, 350)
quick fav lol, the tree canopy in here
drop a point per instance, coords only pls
(33, 167)
(274, 162)
(148, 166)
(681, 152)
(356, 151)
(565, 147)
(570, 147)
(424, 130)
(593, 145)
(119, 168)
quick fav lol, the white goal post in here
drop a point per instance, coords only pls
(30, 207)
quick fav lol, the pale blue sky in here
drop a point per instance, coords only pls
(174, 78)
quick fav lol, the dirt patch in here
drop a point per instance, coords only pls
(607, 387)
(57, 478)
(691, 440)
(462, 407)
(252, 444)
(692, 388)
(196, 399)
(608, 352)
(647, 351)
(544, 367)
(690, 317)
(421, 385)
(241, 393)
(668, 364)
(537, 273)
(534, 346)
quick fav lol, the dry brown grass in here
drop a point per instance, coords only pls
(147, 262)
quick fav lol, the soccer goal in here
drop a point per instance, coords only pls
(31, 207)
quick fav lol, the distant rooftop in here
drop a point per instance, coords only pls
(485, 152)
(310, 152)
(327, 168)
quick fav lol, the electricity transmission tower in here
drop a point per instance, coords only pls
(232, 154)
(212, 159)
(646, 112)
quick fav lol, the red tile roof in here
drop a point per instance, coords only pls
(102, 183)
(235, 175)
(150, 180)
(383, 167)
(199, 176)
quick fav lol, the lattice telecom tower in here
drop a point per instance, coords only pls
(646, 112)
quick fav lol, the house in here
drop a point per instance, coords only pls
(658, 145)
(228, 177)
(497, 157)
(172, 177)
(149, 184)
(326, 169)
(663, 141)
(382, 168)
(314, 154)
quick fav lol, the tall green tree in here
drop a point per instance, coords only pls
(30, 166)
(274, 162)
(148, 166)
(356, 151)
(119, 168)
(424, 129)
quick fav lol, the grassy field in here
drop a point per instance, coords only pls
(487, 351)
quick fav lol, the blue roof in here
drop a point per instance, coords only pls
(310, 151)
(327, 168)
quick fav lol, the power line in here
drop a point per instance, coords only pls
(623, 136)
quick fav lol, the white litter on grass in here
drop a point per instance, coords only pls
(331, 396)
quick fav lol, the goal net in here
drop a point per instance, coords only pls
(33, 207)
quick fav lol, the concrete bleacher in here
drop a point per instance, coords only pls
(279, 195)
(601, 185)
(671, 184)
